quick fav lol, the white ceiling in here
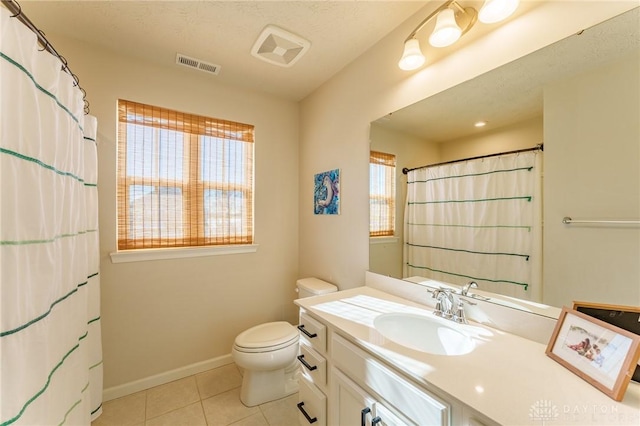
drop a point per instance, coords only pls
(223, 33)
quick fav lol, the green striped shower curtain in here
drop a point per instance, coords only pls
(478, 220)
(50, 341)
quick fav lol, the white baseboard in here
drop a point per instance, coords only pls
(166, 377)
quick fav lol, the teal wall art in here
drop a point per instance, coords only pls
(326, 194)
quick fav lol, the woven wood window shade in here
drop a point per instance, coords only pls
(382, 194)
(183, 180)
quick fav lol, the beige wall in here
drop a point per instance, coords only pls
(335, 120)
(592, 171)
(166, 314)
(523, 135)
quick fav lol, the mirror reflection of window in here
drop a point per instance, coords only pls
(382, 194)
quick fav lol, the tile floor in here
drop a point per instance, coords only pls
(211, 398)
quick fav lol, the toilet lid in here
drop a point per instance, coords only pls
(267, 335)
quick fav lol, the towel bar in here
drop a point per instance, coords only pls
(567, 220)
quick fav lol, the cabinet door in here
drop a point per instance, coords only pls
(353, 406)
(386, 417)
(418, 405)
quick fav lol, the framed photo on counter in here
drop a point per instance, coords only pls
(627, 317)
(600, 353)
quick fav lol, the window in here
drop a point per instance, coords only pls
(183, 180)
(382, 194)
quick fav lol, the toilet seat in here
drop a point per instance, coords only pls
(267, 337)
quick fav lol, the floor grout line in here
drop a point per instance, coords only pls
(118, 414)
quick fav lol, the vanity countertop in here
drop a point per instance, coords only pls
(507, 378)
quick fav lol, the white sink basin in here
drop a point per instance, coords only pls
(423, 333)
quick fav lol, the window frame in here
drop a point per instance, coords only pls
(195, 130)
(388, 198)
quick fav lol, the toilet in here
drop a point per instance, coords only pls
(267, 353)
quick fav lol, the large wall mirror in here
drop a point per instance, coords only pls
(512, 99)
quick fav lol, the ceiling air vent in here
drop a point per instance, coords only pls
(197, 64)
(279, 47)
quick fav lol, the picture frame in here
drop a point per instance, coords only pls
(598, 352)
(326, 193)
(626, 317)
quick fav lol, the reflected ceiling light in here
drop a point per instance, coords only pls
(497, 10)
(452, 22)
(480, 123)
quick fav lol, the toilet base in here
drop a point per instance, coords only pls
(259, 387)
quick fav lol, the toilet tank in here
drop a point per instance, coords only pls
(308, 287)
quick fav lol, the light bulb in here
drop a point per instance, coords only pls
(497, 10)
(446, 31)
(412, 57)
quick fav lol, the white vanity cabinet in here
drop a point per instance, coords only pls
(501, 381)
(341, 384)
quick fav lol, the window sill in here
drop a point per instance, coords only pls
(383, 240)
(178, 253)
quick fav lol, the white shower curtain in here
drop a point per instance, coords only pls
(50, 341)
(478, 220)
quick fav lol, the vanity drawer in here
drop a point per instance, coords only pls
(416, 404)
(313, 332)
(313, 364)
(312, 404)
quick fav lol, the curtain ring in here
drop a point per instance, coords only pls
(46, 42)
(65, 66)
(19, 12)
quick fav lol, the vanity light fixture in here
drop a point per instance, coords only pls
(446, 31)
(452, 22)
(497, 10)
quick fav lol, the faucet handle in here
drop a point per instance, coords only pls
(459, 316)
(438, 309)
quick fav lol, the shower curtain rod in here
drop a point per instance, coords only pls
(15, 8)
(539, 147)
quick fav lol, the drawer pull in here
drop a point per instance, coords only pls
(306, 416)
(309, 335)
(306, 364)
(375, 420)
(363, 415)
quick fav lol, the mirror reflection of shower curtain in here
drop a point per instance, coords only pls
(478, 220)
(50, 332)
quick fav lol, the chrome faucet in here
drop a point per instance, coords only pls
(464, 291)
(448, 306)
(466, 287)
(445, 302)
